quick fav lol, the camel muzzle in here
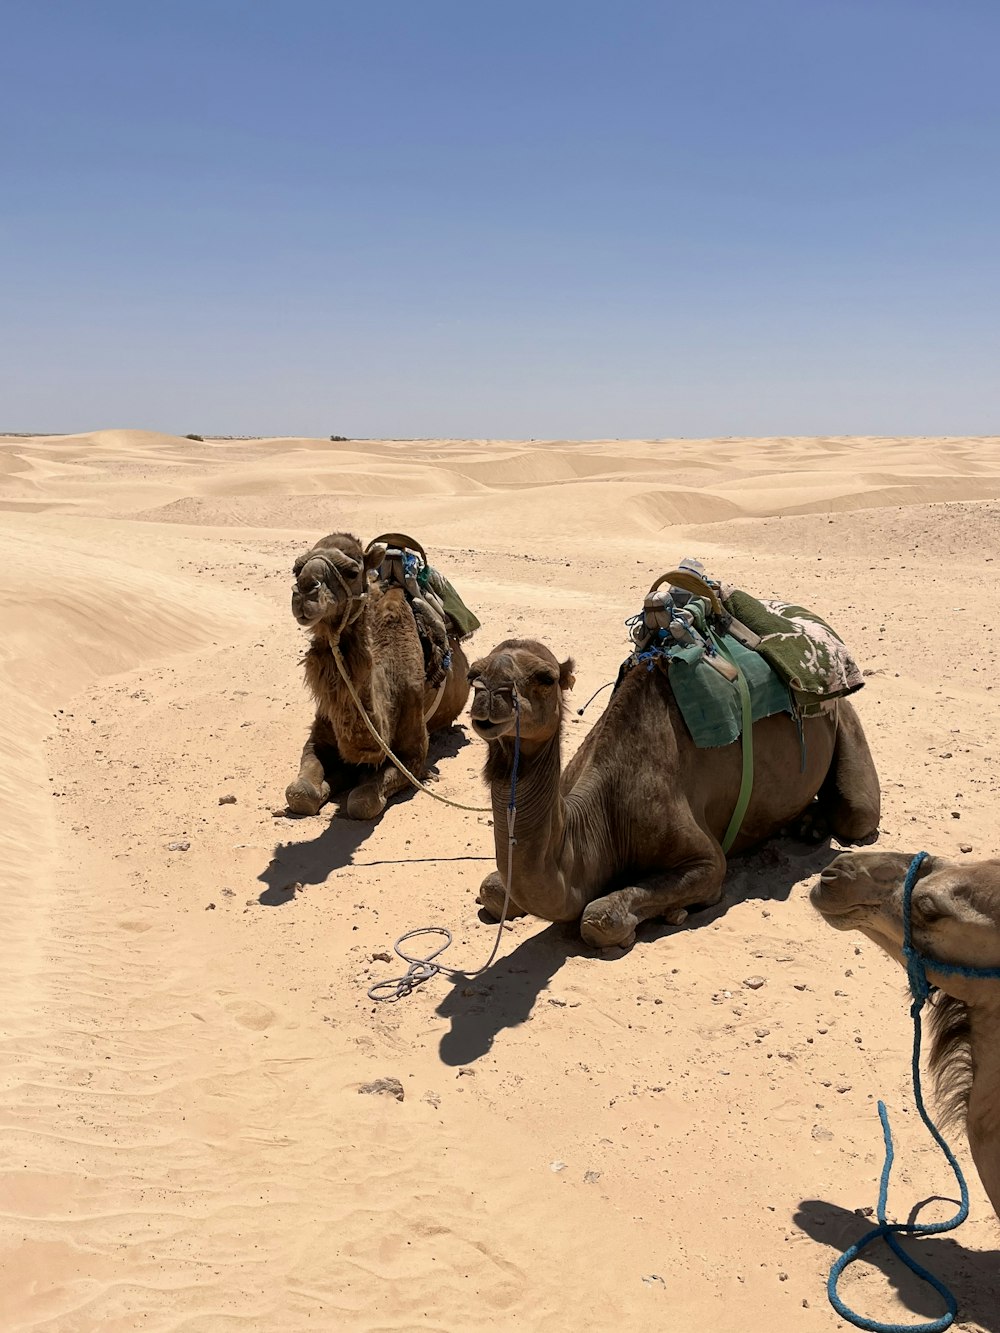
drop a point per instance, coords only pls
(840, 890)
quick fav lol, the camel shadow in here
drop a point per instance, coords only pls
(766, 874)
(339, 838)
(504, 995)
(972, 1276)
(770, 872)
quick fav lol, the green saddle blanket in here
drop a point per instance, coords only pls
(792, 660)
(460, 619)
(710, 704)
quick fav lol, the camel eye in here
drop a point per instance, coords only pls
(544, 678)
(928, 906)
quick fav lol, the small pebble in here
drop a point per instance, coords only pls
(965, 847)
(178, 846)
(591, 1177)
(557, 1166)
(227, 800)
(390, 1087)
(754, 983)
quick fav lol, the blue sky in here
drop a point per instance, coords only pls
(450, 217)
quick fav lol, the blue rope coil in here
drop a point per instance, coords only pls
(921, 989)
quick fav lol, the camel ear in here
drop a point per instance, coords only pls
(300, 562)
(566, 677)
(476, 670)
(375, 555)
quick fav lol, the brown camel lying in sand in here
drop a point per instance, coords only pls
(955, 918)
(631, 830)
(375, 628)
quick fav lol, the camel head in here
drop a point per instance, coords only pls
(528, 669)
(955, 914)
(331, 579)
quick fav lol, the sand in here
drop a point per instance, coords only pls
(634, 1141)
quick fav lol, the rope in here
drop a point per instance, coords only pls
(341, 667)
(606, 686)
(423, 968)
(920, 989)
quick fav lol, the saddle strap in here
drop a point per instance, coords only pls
(746, 740)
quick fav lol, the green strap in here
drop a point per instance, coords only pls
(746, 780)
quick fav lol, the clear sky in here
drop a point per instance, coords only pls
(538, 218)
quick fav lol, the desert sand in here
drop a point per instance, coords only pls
(634, 1141)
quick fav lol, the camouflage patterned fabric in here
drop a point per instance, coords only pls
(804, 651)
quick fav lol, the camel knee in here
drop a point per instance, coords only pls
(492, 893)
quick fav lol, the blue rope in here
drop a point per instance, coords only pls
(512, 803)
(920, 989)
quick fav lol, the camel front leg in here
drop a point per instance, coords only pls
(369, 799)
(322, 772)
(612, 920)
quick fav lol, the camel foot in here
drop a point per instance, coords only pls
(604, 925)
(813, 825)
(302, 798)
(365, 802)
(491, 895)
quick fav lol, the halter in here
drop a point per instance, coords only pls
(921, 990)
(355, 603)
(917, 962)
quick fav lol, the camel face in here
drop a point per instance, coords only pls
(524, 670)
(327, 577)
(955, 912)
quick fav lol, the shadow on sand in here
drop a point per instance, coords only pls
(972, 1277)
(504, 995)
(333, 848)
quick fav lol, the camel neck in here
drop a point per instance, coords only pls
(542, 861)
(984, 1098)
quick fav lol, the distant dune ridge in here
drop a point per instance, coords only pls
(584, 1142)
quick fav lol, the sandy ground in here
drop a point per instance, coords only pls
(585, 1141)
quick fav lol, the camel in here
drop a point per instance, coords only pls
(338, 602)
(955, 918)
(632, 828)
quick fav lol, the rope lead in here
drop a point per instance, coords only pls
(421, 969)
(920, 988)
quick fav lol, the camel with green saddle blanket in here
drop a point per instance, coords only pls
(387, 632)
(639, 823)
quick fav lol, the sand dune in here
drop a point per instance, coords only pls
(584, 1142)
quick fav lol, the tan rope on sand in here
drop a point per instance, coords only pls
(341, 667)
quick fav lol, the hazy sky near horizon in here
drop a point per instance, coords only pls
(546, 218)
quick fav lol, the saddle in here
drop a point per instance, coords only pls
(694, 620)
(439, 613)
